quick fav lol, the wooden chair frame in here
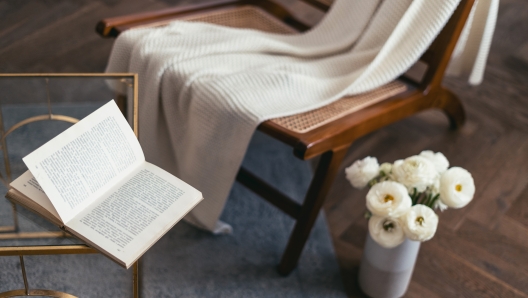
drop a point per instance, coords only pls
(332, 140)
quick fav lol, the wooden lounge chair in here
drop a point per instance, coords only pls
(329, 131)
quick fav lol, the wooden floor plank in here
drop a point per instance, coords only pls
(501, 246)
(492, 169)
(67, 36)
(482, 259)
(513, 230)
(450, 275)
(351, 209)
(417, 290)
(493, 200)
(37, 17)
(519, 210)
(356, 233)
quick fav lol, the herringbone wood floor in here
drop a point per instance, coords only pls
(479, 251)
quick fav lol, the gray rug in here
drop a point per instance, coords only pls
(187, 262)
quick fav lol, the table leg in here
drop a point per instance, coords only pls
(135, 277)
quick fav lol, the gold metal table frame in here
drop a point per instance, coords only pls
(12, 232)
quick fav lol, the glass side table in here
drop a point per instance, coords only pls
(33, 109)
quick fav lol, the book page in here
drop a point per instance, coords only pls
(130, 218)
(29, 187)
(84, 161)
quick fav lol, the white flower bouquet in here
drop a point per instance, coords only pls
(403, 195)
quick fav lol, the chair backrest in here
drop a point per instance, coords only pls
(436, 57)
(439, 53)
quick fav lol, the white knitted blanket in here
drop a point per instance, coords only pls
(203, 89)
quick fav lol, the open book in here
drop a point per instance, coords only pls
(92, 180)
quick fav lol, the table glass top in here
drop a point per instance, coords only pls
(22, 98)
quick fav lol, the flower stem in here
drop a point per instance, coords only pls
(433, 200)
(428, 200)
(414, 197)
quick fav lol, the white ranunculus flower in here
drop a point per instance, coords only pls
(439, 205)
(386, 231)
(414, 172)
(388, 198)
(419, 223)
(456, 187)
(438, 159)
(362, 171)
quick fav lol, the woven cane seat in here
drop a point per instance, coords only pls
(256, 18)
(307, 121)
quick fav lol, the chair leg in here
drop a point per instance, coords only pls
(452, 107)
(319, 187)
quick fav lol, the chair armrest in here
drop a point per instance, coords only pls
(112, 27)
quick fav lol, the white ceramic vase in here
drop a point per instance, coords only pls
(387, 272)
